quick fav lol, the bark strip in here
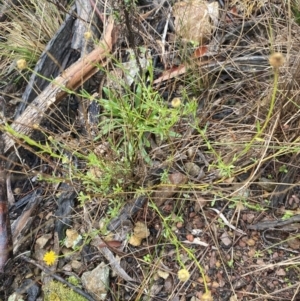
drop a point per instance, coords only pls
(6, 244)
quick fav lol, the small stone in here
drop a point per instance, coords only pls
(242, 244)
(76, 266)
(72, 238)
(190, 237)
(67, 267)
(192, 169)
(96, 282)
(280, 272)
(140, 232)
(179, 225)
(226, 239)
(251, 242)
(215, 284)
(42, 241)
(267, 184)
(191, 151)
(250, 217)
(293, 242)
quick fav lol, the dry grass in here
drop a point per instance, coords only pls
(233, 130)
(26, 32)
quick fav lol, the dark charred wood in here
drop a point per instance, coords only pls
(286, 182)
(57, 56)
(65, 208)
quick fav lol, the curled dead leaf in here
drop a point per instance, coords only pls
(140, 231)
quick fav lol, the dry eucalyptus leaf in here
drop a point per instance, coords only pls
(195, 20)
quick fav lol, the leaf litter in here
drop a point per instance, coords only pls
(219, 56)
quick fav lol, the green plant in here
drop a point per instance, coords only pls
(148, 258)
(276, 60)
(288, 214)
(169, 234)
(295, 4)
(283, 169)
(221, 223)
(230, 263)
(258, 254)
(74, 280)
(133, 115)
(164, 177)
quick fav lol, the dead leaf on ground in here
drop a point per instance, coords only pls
(293, 242)
(193, 19)
(140, 231)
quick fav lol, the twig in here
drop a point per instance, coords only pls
(226, 222)
(163, 38)
(58, 278)
(100, 15)
(265, 225)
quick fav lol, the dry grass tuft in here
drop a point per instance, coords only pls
(26, 32)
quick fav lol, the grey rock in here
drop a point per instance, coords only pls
(96, 282)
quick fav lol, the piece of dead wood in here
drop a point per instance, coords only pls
(24, 221)
(82, 25)
(67, 82)
(57, 56)
(5, 230)
(274, 224)
(249, 64)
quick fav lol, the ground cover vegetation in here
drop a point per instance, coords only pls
(149, 150)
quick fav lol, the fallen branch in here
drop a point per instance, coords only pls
(71, 79)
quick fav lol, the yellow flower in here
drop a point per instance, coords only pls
(87, 35)
(50, 257)
(21, 64)
(176, 102)
(183, 275)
